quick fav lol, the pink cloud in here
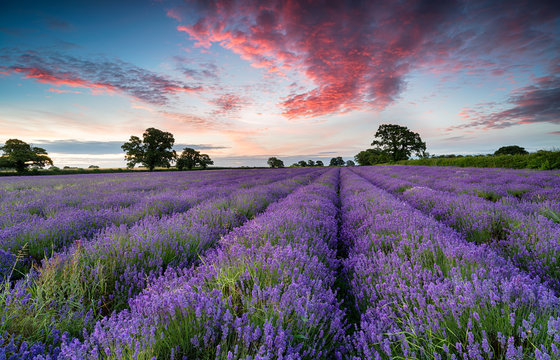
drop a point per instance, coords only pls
(228, 104)
(174, 14)
(538, 102)
(358, 54)
(59, 91)
(99, 75)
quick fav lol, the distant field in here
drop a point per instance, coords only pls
(403, 262)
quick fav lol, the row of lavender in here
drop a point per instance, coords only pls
(515, 229)
(527, 191)
(92, 278)
(266, 292)
(424, 292)
(492, 184)
(269, 290)
(421, 291)
(36, 221)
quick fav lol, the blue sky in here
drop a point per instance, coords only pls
(243, 81)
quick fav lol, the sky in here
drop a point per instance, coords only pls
(246, 80)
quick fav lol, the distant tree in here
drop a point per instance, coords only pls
(302, 163)
(511, 150)
(190, 158)
(398, 142)
(19, 155)
(371, 157)
(187, 159)
(350, 163)
(93, 167)
(310, 163)
(204, 160)
(274, 162)
(337, 161)
(319, 163)
(155, 149)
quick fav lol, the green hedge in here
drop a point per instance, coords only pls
(542, 159)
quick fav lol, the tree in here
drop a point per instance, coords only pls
(155, 149)
(337, 161)
(350, 163)
(511, 150)
(302, 163)
(204, 160)
(398, 142)
(371, 157)
(274, 162)
(310, 163)
(189, 158)
(19, 155)
(319, 163)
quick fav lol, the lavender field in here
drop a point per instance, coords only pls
(384, 262)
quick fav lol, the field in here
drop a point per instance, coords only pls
(384, 262)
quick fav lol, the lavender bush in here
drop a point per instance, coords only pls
(424, 292)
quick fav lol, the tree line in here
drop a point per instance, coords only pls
(391, 144)
(274, 162)
(155, 149)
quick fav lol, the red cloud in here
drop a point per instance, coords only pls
(45, 77)
(228, 104)
(58, 91)
(100, 75)
(359, 53)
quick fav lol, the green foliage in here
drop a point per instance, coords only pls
(274, 162)
(155, 149)
(350, 163)
(371, 157)
(204, 160)
(511, 150)
(19, 155)
(542, 160)
(398, 142)
(337, 161)
(190, 158)
(308, 163)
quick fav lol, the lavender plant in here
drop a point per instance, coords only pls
(426, 293)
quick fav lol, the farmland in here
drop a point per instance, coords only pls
(403, 262)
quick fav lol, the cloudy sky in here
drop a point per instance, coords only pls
(245, 80)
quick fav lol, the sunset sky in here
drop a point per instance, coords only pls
(245, 80)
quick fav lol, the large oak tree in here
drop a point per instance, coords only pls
(398, 142)
(19, 155)
(155, 149)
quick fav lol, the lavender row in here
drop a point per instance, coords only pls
(111, 191)
(265, 293)
(425, 293)
(94, 278)
(492, 184)
(529, 191)
(39, 237)
(531, 241)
